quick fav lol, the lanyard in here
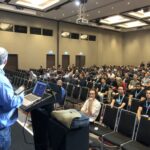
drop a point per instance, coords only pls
(120, 100)
(137, 93)
(102, 87)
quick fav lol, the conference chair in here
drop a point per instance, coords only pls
(142, 137)
(124, 131)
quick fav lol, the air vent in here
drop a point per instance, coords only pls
(47, 32)
(34, 30)
(74, 36)
(92, 38)
(20, 29)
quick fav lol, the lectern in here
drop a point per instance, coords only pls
(40, 111)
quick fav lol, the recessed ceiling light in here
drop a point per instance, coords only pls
(114, 19)
(128, 3)
(99, 11)
(38, 4)
(132, 24)
(63, 14)
(112, 7)
(77, 3)
(143, 13)
(96, 3)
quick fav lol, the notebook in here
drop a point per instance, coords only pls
(36, 94)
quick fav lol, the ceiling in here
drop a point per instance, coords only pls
(95, 10)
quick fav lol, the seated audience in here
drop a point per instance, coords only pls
(144, 106)
(92, 106)
(102, 89)
(133, 82)
(120, 100)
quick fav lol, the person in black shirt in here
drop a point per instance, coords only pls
(102, 89)
(144, 106)
(137, 92)
(120, 100)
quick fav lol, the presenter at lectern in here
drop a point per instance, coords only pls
(9, 102)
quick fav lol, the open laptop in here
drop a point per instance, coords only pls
(36, 94)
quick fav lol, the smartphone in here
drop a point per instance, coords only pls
(20, 90)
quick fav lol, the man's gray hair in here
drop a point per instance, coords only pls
(3, 55)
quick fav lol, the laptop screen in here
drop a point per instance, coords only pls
(39, 88)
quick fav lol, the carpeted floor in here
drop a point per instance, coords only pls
(18, 142)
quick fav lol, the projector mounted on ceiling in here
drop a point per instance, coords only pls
(82, 16)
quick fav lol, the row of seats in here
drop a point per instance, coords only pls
(120, 129)
(18, 81)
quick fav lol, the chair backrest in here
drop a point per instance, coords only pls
(69, 90)
(25, 83)
(76, 92)
(89, 84)
(143, 132)
(110, 116)
(134, 105)
(100, 112)
(84, 93)
(21, 81)
(17, 81)
(126, 124)
(64, 85)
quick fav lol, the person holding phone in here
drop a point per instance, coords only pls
(9, 102)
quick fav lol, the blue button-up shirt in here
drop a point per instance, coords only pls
(8, 102)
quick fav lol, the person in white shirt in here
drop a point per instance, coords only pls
(92, 106)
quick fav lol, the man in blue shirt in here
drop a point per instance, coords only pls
(8, 104)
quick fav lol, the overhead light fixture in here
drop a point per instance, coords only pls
(132, 24)
(14, 9)
(38, 4)
(6, 26)
(83, 36)
(77, 2)
(143, 13)
(114, 19)
(65, 34)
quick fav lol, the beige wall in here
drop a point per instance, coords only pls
(31, 49)
(136, 47)
(109, 48)
(74, 47)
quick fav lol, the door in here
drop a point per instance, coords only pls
(50, 61)
(65, 61)
(12, 63)
(80, 61)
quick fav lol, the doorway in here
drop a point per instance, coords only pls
(65, 61)
(50, 60)
(12, 63)
(80, 61)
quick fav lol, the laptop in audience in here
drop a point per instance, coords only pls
(36, 94)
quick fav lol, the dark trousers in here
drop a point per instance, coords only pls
(5, 138)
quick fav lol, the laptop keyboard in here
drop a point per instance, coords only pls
(31, 97)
